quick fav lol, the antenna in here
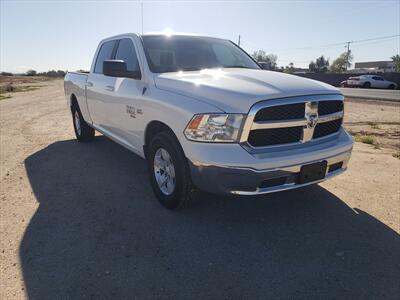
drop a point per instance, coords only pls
(141, 10)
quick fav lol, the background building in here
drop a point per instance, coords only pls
(374, 66)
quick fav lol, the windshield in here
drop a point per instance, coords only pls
(188, 53)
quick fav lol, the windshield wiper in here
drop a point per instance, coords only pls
(190, 68)
(237, 66)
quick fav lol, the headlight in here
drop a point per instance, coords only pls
(222, 128)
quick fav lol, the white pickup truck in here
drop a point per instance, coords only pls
(204, 115)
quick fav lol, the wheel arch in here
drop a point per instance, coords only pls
(73, 101)
(152, 129)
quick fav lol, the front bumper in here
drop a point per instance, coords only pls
(269, 172)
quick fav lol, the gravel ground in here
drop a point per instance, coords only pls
(80, 221)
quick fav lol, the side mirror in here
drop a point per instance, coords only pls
(117, 68)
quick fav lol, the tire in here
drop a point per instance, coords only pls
(391, 87)
(164, 150)
(83, 132)
(367, 85)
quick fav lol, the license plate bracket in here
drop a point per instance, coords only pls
(312, 172)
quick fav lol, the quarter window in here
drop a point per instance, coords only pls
(105, 53)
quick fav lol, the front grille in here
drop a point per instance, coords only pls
(275, 136)
(293, 121)
(281, 112)
(327, 128)
(329, 107)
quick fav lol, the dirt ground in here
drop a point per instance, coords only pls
(22, 79)
(80, 220)
(377, 119)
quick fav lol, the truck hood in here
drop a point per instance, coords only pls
(236, 90)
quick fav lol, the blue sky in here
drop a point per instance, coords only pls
(45, 35)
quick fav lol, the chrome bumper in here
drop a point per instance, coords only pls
(247, 181)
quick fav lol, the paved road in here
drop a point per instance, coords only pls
(79, 221)
(391, 95)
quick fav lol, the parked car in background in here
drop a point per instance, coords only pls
(371, 81)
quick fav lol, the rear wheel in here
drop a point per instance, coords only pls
(367, 85)
(169, 171)
(83, 132)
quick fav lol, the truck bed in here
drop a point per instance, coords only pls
(75, 84)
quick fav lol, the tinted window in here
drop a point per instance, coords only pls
(104, 54)
(126, 52)
(190, 53)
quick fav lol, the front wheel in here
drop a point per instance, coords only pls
(169, 171)
(391, 87)
(83, 132)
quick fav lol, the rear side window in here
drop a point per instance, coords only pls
(126, 52)
(105, 53)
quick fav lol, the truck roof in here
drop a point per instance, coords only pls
(158, 34)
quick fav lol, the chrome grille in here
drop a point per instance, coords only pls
(324, 129)
(292, 120)
(329, 107)
(281, 112)
(275, 136)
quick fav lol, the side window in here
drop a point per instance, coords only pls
(126, 52)
(104, 54)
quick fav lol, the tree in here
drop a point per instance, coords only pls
(342, 63)
(53, 73)
(289, 69)
(396, 60)
(321, 65)
(31, 73)
(260, 55)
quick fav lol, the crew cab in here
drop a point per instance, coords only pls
(205, 116)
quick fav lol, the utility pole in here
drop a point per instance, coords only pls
(348, 54)
(239, 40)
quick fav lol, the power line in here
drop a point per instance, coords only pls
(338, 44)
(347, 44)
(378, 38)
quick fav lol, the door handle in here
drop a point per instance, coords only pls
(110, 88)
(89, 84)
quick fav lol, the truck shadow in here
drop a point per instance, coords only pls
(99, 233)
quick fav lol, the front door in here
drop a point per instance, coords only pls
(122, 110)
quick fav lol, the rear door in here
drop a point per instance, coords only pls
(100, 87)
